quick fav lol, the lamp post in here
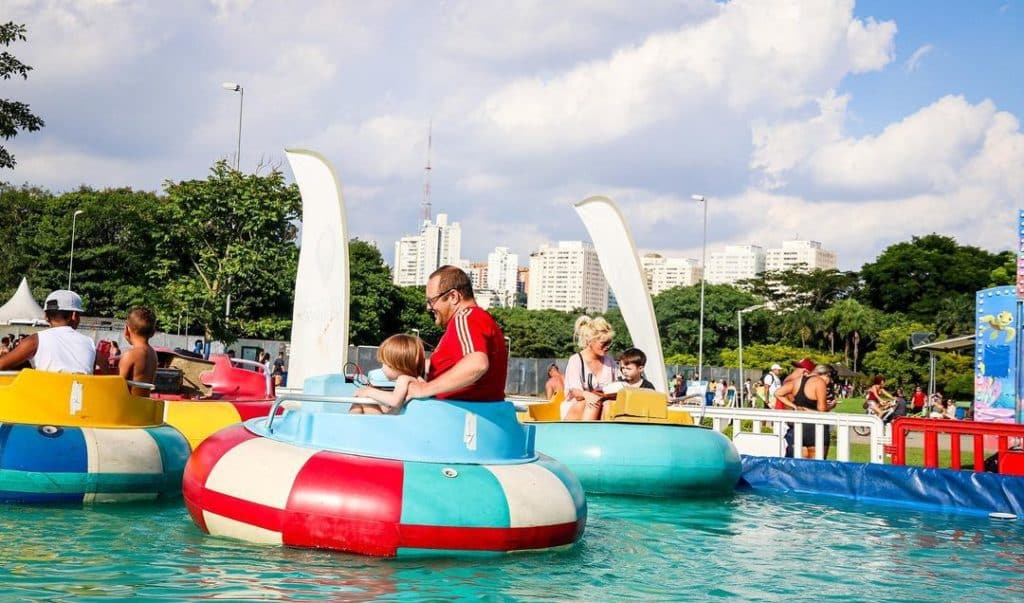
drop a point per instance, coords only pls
(739, 329)
(233, 87)
(703, 276)
(71, 262)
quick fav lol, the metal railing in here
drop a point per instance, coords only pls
(758, 443)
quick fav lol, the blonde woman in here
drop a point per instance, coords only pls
(589, 371)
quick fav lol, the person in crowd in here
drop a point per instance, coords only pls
(140, 362)
(772, 382)
(61, 348)
(588, 371)
(279, 363)
(917, 400)
(897, 409)
(115, 350)
(470, 361)
(679, 387)
(404, 361)
(877, 398)
(809, 393)
(555, 383)
(631, 365)
(720, 388)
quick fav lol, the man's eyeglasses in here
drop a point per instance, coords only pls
(433, 300)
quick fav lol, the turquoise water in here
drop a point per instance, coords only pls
(748, 547)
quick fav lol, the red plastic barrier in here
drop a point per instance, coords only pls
(931, 428)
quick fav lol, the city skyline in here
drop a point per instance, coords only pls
(856, 124)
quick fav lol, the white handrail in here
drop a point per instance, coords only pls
(842, 423)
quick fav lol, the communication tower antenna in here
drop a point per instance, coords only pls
(426, 176)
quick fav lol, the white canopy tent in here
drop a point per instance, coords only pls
(22, 308)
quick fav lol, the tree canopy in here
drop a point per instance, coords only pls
(14, 115)
(915, 277)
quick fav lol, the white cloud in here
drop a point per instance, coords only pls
(915, 59)
(536, 105)
(756, 57)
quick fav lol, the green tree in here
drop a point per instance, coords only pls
(894, 358)
(22, 209)
(857, 326)
(537, 333)
(14, 115)
(374, 298)
(115, 244)
(762, 356)
(678, 315)
(955, 315)
(232, 233)
(914, 277)
(797, 288)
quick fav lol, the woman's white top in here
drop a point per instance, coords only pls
(579, 376)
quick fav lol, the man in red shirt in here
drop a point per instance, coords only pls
(471, 360)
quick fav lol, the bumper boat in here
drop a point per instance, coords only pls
(444, 477)
(202, 396)
(642, 449)
(83, 438)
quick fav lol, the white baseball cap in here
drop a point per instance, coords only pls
(62, 299)
(776, 367)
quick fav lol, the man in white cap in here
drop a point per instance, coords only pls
(59, 349)
(772, 382)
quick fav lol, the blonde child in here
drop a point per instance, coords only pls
(139, 363)
(403, 360)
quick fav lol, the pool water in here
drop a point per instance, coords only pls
(748, 547)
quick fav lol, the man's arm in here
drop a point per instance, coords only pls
(25, 351)
(466, 371)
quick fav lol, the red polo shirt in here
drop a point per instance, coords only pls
(472, 330)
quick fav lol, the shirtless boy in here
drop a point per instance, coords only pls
(139, 362)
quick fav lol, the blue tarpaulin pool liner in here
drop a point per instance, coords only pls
(944, 490)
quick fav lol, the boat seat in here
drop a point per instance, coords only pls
(549, 411)
(192, 370)
(644, 406)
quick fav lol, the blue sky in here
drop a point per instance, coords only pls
(972, 48)
(858, 125)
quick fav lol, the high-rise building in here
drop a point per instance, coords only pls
(477, 272)
(502, 269)
(416, 256)
(566, 277)
(801, 255)
(736, 263)
(663, 273)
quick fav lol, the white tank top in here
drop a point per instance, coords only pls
(65, 350)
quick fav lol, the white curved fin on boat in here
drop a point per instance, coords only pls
(624, 273)
(319, 343)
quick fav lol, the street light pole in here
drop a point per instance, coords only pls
(71, 262)
(703, 277)
(739, 329)
(233, 87)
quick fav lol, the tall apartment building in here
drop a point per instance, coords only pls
(736, 263)
(565, 277)
(805, 255)
(502, 269)
(416, 256)
(477, 272)
(663, 273)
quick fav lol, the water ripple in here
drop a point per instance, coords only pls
(746, 547)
